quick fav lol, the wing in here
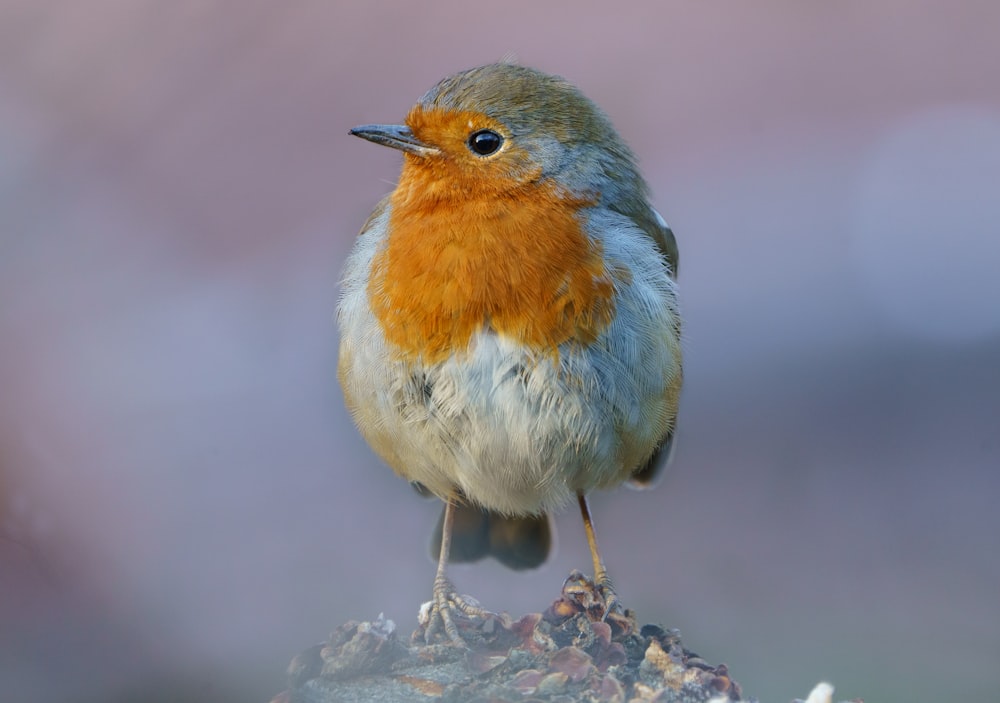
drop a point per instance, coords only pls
(653, 224)
(647, 474)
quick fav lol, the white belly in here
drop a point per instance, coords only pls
(517, 432)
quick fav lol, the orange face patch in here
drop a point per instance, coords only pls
(457, 172)
(507, 255)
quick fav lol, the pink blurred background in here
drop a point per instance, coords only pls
(184, 503)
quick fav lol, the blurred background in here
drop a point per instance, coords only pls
(184, 502)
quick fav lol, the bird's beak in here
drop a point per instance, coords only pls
(394, 135)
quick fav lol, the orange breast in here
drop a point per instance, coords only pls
(516, 261)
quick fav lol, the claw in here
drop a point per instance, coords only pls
(597, 597)
(611, 602)
(443, 609)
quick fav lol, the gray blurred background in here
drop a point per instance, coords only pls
(184, 501)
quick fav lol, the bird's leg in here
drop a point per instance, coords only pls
(601, 578)
(446, 600)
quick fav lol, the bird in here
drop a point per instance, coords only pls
(510, 335)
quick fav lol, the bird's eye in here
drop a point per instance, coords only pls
(485, 142)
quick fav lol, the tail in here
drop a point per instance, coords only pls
(516, 542)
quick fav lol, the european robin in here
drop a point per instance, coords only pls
(510, 337)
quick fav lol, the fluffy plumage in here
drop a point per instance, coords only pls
(509, 325)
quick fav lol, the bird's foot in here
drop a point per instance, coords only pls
(611, 602)
(597, 597)
(446, 607)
